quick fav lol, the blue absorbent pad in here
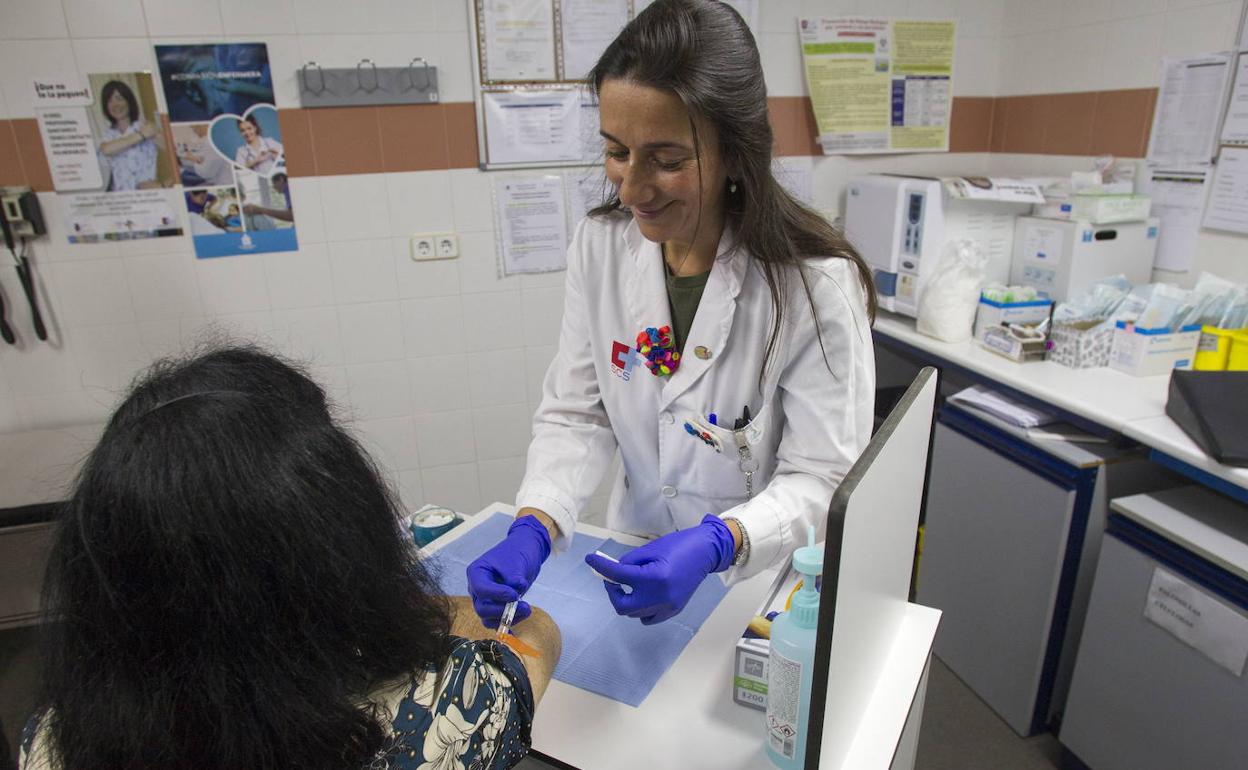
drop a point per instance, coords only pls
(603, 652)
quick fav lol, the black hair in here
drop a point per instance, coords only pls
(229, 580)
(703, 51)
(116, 86)
(252, 120)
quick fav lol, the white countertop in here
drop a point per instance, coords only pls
(1132, 406)
(1102, 395)
(1164, 435)
(1203, 522)
(689, 719)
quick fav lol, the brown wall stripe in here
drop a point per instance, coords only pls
(367, 140)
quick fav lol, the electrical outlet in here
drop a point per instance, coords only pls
(424, 247)
(435, 246)
(448, 245)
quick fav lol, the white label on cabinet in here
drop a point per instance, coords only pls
(1199, 620)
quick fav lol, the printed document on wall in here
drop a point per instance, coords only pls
(531, 223)
(1235, 127)
(1178, 198)
(519, 40)
(878, 85)
(105, 142)
(1189, 108)
(589, 26)
(533, 126)
(1228, 198)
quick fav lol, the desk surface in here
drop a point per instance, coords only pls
(1164, 435)
(689, 719)
(1132, 406)
(1102, 395)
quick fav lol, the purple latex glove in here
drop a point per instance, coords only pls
(503, 573)
(665, 572)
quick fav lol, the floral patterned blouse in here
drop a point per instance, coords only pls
(474, 713)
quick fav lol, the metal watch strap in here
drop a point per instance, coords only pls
(743, 553)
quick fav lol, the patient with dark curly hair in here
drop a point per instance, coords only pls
(230, 587)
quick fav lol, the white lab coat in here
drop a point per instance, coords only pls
(809, 424)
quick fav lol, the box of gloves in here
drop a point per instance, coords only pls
(749, 681)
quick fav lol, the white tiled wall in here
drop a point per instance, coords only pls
(437, 365)
(1092, 45)
(1056, 46)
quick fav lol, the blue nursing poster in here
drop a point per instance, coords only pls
(228, 145)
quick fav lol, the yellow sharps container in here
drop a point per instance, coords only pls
(1213, 350)
(1237, 361)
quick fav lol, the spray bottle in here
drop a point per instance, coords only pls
(791, 664)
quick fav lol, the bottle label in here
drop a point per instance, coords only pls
(784, 694)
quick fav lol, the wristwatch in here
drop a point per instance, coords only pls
(743, 553)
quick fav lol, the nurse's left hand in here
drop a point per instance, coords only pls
(665, 572)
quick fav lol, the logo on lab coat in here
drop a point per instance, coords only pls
(622, 359)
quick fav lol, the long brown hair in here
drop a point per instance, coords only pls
(702, 51)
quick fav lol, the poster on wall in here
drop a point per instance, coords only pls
(879, 85)
(109, 156)
(228, 144)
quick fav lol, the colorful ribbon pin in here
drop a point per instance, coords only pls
(659, 350)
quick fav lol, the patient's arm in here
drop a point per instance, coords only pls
(538, 631)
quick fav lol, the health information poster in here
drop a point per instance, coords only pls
(228, 145)
(879, 85)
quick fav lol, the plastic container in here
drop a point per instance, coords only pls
(431, 522)
(1213, 350)
(791, 664)
(1237, 360)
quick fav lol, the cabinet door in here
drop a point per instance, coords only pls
(995, 545)
(1141, 699)
(23, 559)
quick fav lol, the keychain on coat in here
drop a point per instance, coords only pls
(745, 461)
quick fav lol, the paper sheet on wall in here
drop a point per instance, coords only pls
(1201, 621)
(519, 40)
(1228, 198)
(1189, 108)
(70, 148)
(533, 126)
(532, 224)
(1178, 199)
(877, 85)
(1243, 29)
(109, 156)
(587, 188)
(588, 27)
(603, 652)
(1235, 126)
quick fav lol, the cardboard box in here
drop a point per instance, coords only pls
(990, 314)
(1109, 209)
(749, 687)
(1148, 352)
(1081, 344)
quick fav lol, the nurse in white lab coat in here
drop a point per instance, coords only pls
(781, 329)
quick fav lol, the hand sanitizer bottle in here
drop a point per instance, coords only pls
(790, 665)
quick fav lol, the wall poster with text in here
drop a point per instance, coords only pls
(228, 145)
(109, 156)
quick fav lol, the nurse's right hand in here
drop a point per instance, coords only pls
(503, 573)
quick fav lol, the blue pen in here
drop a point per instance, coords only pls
(711, 417)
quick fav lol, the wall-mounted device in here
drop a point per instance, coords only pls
(20, 219)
